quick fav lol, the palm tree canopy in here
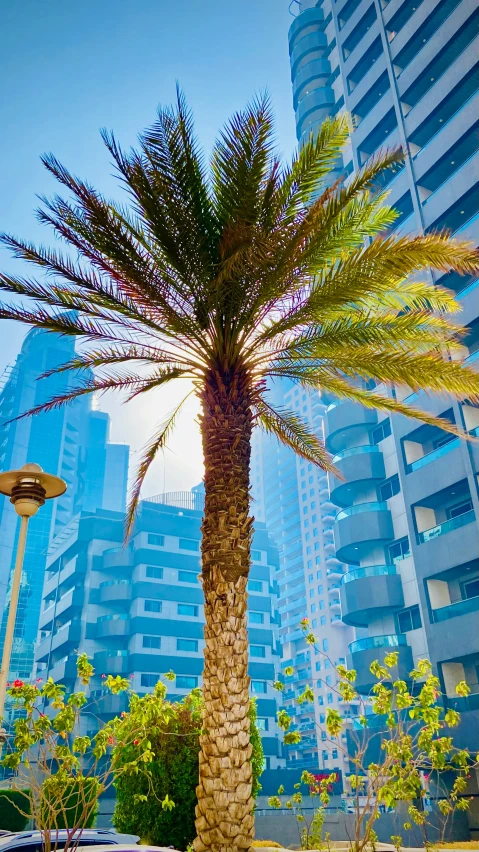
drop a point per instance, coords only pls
(240, 271)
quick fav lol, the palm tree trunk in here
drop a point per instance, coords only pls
(224, 813)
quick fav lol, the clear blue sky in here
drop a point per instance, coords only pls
(74, 66)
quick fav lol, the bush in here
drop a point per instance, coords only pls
(70, 804)
(11, 818)
(144, 800)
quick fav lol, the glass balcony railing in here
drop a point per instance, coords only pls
(118, 616)
(369, 571)
(361, 507)
(393, 640)
(115, 583)
(432, 456)
(354, 451)
(444, 613)
(447, 526)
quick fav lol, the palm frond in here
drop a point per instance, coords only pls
(157, 443)
(292, 431)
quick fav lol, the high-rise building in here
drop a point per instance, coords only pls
(292, 496)
(71, 442)
(408, 74)
(137, 611)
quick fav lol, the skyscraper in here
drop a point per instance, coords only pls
(66, 442)
(407, 527)
(137, 611)
(292, 496)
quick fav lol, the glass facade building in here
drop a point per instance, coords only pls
(406, 530)
(71, 442)
(138, 611)
(292, 496)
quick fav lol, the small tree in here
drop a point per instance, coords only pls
(413, 743)
(64, 770)
(173, 731)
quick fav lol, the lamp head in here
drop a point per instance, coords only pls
(29, 487)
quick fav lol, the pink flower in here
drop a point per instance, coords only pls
(131, 677)
(39, 680)
(103, 676)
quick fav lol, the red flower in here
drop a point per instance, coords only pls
(110, 740)
(18, 684)
(123, 714)
(39, 679)
(136, 742)
(8, 684)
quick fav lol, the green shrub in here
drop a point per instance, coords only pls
(11, 818)
(70, 804)
(173, 731)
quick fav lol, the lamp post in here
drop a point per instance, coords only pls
(28, 489)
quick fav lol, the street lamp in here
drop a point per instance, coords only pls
(28, 488)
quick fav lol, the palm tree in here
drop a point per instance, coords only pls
(234, 275)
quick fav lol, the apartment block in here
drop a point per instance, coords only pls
(137, 611)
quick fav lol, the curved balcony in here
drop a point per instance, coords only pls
(109, 626)
(109, 705)
(370, 592)
(363, 652)
(115, 591)
(117, 559)
(112, 662)
(356, 465)
(345, 421)
(360, 528)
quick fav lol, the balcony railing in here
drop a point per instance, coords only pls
(369, 571)
(388, 641)
(118, 616)
(458, 608)
(361, 507)
(355, 451)
(447, 526)
(115, 583)
(433, 455)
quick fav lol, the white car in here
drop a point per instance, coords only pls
(32, 841)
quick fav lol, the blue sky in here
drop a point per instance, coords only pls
(73, 67)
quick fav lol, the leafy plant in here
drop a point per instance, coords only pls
(172, 731)
(64, 771)
(310, 832)
(412, 744)
(14, 809)
(231, 276)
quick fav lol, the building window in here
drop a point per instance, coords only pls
(322, 718)
(187, 609)
(255, 586)
(458, 509)
(188, 544)
(154, 573)
(317, 560)
(320, 588)
(322, 620)
(311, 593)
(261, 723)
(310, 578)
(256, 618)
(152, 606)
(329, 680)
(313, 607)
(389, 488)
(258, 687)
(334, 754)
(323, 736)
(187, 645)
(318, 573)
(470, 589)
(320, 700)
(325, 756)
(156, 540)
(399, 550)
(327, 664)
(330, 697)
(325, 645)
(314, 622)
(409, 619)
(187, 577)
(152, 642)
(381, 432)
(321, 604)
(149, 680)
(186, 682)
(318, 666)
(257, 651)
(256, 555)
